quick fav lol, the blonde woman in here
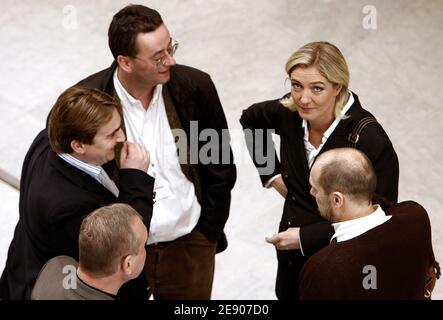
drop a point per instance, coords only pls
(319, 114)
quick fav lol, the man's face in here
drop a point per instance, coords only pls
(151, 47)
(102, 148)
(323, 200)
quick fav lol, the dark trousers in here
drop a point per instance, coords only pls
(181, 269)
(290, 263)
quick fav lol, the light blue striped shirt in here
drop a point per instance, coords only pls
(96, 172)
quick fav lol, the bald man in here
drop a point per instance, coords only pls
(373, 254)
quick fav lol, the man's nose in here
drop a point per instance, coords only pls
(120, 135)
(170, 61)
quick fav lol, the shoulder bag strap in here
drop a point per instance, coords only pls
(354, 136)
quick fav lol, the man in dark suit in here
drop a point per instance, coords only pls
(173, 109)
(375, 253)
(112, 251)
(63, 181)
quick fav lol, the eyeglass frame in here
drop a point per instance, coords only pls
(170, 51)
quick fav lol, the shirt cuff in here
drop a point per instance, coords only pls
(269, 182)
(301, 248)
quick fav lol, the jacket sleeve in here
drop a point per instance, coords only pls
(135, 189)
(217, 177)
(375, 143)
(315, 236)
(259, 121)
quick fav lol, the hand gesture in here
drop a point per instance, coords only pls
(134, 156)
(286, 240)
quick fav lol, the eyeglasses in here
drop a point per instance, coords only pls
(170, 51)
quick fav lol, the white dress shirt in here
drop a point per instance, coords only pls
(96, 172)
(347, 230)
(176, 209)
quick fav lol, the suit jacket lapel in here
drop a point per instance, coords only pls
(305, 165)
(339, 137)
(77, 177)
(179, 91)
(189, 170)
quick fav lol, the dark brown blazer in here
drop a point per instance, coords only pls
(389, 261)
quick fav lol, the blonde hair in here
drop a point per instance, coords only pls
(330, 63)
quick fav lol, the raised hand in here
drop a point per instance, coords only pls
(134, 156)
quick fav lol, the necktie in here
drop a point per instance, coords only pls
(108, 183)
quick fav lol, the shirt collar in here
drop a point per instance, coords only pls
(127, 99)
(113, 296)
(90, 169)
(347, 230)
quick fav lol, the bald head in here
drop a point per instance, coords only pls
(345, 170)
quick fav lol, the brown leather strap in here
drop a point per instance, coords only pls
(354, 136)
(433, 273)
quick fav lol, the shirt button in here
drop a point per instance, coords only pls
(289, 222)
(293, 198)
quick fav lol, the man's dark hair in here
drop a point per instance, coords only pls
(127, 24)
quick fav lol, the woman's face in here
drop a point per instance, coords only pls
(314, 95)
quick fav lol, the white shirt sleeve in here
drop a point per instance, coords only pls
(301, 248)
(269, 182)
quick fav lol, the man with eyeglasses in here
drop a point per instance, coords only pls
(192, 198)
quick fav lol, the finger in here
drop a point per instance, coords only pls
(132, 149)
(138, 148)
(273, 240)
(277, 244)
(148, 157)
(141, 150)
(145, 151)
(124, 151)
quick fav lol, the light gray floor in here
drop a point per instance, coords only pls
(396, 69)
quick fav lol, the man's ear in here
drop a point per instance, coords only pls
(126, 265)
(77, 147)
(337, 199)
(125, 63)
